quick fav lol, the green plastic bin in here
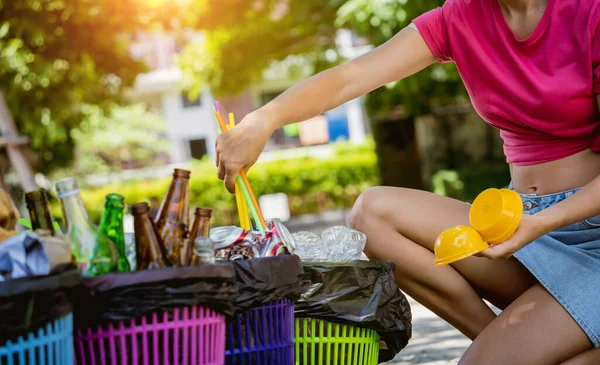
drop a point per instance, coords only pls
(321, 342)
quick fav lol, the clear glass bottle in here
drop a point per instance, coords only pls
(93, 252)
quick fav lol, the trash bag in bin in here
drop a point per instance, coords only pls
(29, 303)
(268, 279)
(358, 293)
(123, 296)
(262, 311)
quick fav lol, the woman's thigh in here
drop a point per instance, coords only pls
(534, 329)
(420, 217)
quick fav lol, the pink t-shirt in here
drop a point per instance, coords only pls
(540, 91)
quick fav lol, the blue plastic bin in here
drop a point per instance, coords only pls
(50, 345)
(262, 335)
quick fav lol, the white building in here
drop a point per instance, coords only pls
(191, 125)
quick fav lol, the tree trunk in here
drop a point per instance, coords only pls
(397, 152)
(15, 151)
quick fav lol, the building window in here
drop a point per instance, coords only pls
(198, 148)
(187, 103)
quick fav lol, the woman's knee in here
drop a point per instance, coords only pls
(368, 206)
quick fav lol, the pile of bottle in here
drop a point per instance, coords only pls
(167, 241)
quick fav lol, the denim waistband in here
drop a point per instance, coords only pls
(540, 202)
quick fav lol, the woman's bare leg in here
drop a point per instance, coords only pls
(590, 357)
(534, 330)
(402, 225)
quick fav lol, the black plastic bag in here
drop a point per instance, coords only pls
(29, 303)
(124, 296)
(262, 280)
(358, 293)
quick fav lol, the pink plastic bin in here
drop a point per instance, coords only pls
(183, 336)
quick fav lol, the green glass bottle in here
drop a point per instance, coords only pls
(111, 225)
(93, 252)
(39, 212)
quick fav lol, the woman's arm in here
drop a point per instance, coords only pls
(403, 55)
(578, 207)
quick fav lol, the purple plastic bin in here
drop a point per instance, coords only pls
(184, 336)
(262, 336)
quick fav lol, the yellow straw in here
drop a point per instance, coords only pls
(239, 195)
(231, 120)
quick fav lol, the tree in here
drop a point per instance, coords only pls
(250, 35)
(58, 55)
(110, 138)
(247, 36)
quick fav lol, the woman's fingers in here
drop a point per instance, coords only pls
(237, 149)
(230, 176)
(221, 171)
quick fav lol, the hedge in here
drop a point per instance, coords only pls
(312, 184)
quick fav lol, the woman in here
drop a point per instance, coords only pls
(532, 69)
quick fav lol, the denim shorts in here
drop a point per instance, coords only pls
(567, 263)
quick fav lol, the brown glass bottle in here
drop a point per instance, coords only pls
(203, 251)
(150, 252)
(172, 220)
(200, 227)
(39, 212)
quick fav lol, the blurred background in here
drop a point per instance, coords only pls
(119, 92)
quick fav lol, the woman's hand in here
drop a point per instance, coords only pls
(240, 147)
(531, 228)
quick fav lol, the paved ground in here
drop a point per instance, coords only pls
(434, 342)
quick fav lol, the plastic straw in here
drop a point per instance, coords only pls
(239, 196)
(242, 203)
(245, 185)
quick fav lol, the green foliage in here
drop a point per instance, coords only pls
(249, 36)
(107, 139)
(56, 56)
(465, 184)
(339, 179)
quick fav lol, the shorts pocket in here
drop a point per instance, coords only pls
(593, 222)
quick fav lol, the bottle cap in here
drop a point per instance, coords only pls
(496, 214)
(457, 243)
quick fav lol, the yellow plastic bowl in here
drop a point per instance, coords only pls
(456, 244)
(496, 214)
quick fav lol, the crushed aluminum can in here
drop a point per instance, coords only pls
(234, 243)
(231, 243)
(277, 227)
